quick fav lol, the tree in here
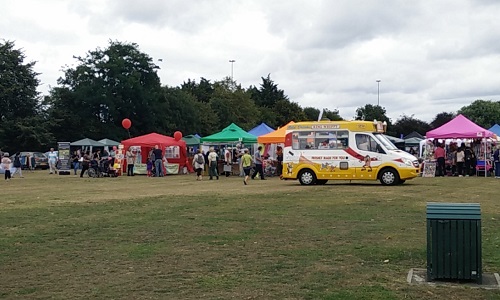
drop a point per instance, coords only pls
(268, 94)
(183, 112)
(484, 113)
(407, 124)
(288, 111)
(22, 127)
(107, 86)
(232, 104)
(441, 119)
(371, 112)
(312, 114)
(275, 107)
(202, 91)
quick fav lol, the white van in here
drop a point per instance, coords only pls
(316, 152)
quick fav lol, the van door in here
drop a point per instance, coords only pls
(369, 156)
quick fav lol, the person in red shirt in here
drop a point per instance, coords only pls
(439, 155)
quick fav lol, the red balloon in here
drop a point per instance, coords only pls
(126, 123)
(177, 135)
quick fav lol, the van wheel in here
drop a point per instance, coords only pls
(307, 177)
(389, 177)
(401, 181)
(321, 181)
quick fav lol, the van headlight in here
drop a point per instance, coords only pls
(408, 162)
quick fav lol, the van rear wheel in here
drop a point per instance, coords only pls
(307, 177)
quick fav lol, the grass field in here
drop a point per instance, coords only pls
(63, 237)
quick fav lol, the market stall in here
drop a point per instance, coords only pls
(230, 137)
(175, 152)
(460, 129)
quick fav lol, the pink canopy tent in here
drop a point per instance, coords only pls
(459, 128)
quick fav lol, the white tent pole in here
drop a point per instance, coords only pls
(485, 164)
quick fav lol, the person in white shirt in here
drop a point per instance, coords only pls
(212, 164)
(460, 161)
(52, 161)
(199, 163)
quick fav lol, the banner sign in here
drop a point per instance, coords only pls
(64, 157)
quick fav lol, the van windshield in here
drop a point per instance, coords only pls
(385, 141)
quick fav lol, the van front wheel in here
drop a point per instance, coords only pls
(307, 177)
(389, 177)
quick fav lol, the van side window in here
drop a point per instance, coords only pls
(367, 143)
(323, 140)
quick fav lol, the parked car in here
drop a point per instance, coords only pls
(41, 160)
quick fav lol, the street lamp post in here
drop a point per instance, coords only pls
(232, 63)
(378, 92)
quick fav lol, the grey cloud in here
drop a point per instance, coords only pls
(337, 24)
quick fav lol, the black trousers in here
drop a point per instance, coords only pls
(130, 170)
(84, 168)
(7, 174)
(440, 166)
(258, 169)
(279, 168)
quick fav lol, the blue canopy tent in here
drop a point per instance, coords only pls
(495, 129)
(261, 130)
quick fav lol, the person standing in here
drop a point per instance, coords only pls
(52, 161)
(85, 163)
(130, 162)
(6, 165)
(212, 164)
(32, 162)
(496, 159)
(76, 161)
(279, 159)
(246, 165)
(199, 163)
(439, 155)
(158, 154)
(17, 166)
(228, 159)
(469, 159)
(258, 164)
(460, 161)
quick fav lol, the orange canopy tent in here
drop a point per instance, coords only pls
(275, 137)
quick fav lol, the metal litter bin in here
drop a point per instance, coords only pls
(454, 241)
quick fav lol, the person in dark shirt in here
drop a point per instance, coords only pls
(158, 154)
(279, 158)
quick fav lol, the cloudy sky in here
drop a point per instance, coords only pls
(430, 56)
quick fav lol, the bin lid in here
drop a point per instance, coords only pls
(456, 211)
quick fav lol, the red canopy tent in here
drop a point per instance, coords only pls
(148, 141)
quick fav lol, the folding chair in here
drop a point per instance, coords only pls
(483, 166)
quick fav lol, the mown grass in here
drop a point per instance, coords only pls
(175, 238)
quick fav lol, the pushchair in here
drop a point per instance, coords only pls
(103, 168)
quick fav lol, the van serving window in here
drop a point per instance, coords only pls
(323, 140)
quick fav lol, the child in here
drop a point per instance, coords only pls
(6, 165)
(149, 166)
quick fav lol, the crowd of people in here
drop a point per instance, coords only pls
(462, 160)
(259, 165)
(216, 162)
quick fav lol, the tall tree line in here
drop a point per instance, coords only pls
(120, 81)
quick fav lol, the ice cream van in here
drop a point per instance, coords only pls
(316, 152)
